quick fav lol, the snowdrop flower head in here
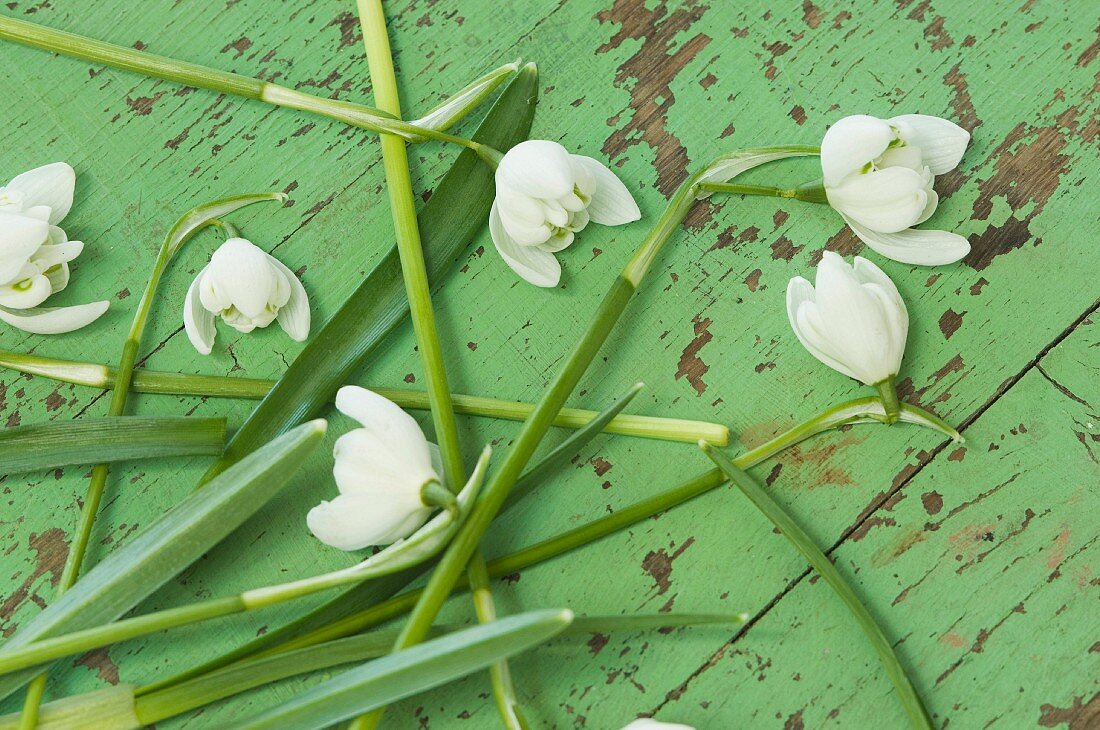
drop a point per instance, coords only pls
(380, 470)
(249, 288)
(854, 321)
(545, 197)
(35, 252)
(647, 723)
(878, 175)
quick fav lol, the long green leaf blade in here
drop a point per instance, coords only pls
(456, 212)
(907, 693)
(410, 672)
(167, 546)
(44, 446)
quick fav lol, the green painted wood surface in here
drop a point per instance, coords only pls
(981, 561)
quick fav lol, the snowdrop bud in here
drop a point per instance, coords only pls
(646, 723)
(380, 470)
(35, 253)
(854, 321)
(249, 288)
(545, 196)
(878, 175)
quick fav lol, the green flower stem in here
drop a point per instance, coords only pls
(535, 427)
(192, 74)
(95, 375)
(907, 694)
(888, 392)
(811, 193)
(372, 20)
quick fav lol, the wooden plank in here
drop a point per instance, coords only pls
(654, 87)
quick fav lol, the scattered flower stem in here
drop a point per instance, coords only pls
(584, 352)
(203, 77)
(95, 375)
(812, 193)
(180, 233)
(907, 694)
(372, 20)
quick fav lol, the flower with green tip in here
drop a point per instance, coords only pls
(545, 196)
(854, 321)
(878, 175)
(35, 252)
(381, 471)
(248, 288)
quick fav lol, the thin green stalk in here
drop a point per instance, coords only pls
(372, 20)
(534, 429)
(907, 693)
(809, 193)
(177, 236)
(220, 386)
(193, 74)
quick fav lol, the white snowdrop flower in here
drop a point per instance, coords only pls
(854, 321)
(545, 196)
(35, 252)
(878, 175)
(248, 288)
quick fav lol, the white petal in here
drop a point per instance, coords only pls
(54, 320)
(850, 144)
(353, 522)
(54, 254)
(51, 185)
(914, 246)
(805, 321)
(397, 430)
(29, 292)
(858, 329)
(198, 321)
(538, 267)
(58, 276)
(559, 242)
(294, 316)
(942, 142)
(612, 204)
(20, 237)
(538, 168)
(889, 200)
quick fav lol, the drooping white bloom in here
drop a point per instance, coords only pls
(878, 175)
(854, 321)
(648, 723)
(249, 288)
(379, 470)
(35, 252)
(545, 196)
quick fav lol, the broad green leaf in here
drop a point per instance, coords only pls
(101, 440)
(406, 673)
(457, 211)
(167, 546)
(106, 709)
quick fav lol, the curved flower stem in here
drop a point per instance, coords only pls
(193, 74)
(907, 694)
(185, 227)
(372, 19)
(95, 375)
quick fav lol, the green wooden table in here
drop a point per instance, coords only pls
(981, 561)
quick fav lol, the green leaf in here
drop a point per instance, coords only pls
(111, 708)
(100, 440)
(907, 694)
(456, 212)
(167, 546)
(412, 671)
